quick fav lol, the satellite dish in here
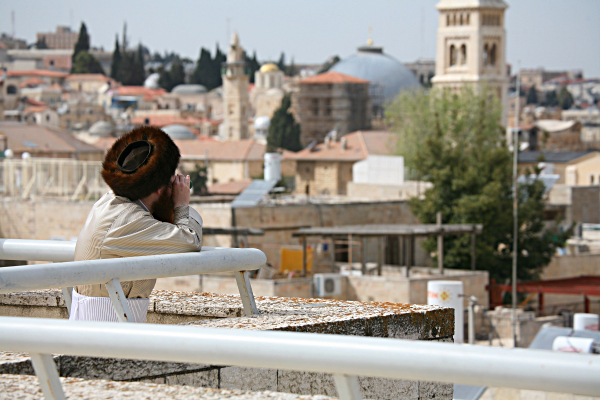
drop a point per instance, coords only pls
(25, 155)
(8, 153)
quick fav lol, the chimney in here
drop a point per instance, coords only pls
(327, 142)
(334, 135)
(344, 142)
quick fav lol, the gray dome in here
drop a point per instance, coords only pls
(387, 75)
(189, 89)
(101, 129)
(179, 132)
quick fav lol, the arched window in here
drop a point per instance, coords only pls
(461, 19)
(452, 55)
(448, 20)
(453, 19)
(468, 18)
(493, 55)
(486, 55)
(11, 89)
(463, 54)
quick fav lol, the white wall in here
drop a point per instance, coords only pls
(383, 170)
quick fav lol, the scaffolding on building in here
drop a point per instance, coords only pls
(51, 177)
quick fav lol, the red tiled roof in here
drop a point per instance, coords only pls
(33, 81)
(233, 187)
(139, 91)
(332, 77)
(87, 77)
(34, 102)
(37, 72)
(240, 150)
(359, 145)
(34, 109)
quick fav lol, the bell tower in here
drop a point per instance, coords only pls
(471, 46)
(235, 93)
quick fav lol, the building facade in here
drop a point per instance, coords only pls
(235, 93)
(329, 102)
(63, 38)
(471, 46)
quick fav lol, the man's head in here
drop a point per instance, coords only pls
(140, 163)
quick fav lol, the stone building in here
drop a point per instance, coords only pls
(235, 93)
(326, 168)
(424, 70)
(471, 46)
(329, 102)
(63, 38)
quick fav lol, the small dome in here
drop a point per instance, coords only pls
(269, 67)
(151, 81)
(179, 132)
(189, 89)
(262, 122)
(101, 129)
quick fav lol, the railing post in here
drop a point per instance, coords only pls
(243, 282)
(119, 301)
(45, 369)
(347, 387)
(66, 292)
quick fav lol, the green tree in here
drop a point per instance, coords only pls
(532, 97)
(173, 77)
(83, 41)
(565, 99)
(41, 43)
(202, 69)
(115, 65)
(252, 65)
(551, 99)
(281, 62)
(85, 63)
(455, 141)
(284, 131)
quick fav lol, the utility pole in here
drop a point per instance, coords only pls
(515, 207)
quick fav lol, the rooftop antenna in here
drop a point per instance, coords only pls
(12, 21)
(370, 40)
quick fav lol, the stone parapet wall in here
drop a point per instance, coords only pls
(386, 320)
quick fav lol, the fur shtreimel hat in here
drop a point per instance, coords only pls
(140, 162)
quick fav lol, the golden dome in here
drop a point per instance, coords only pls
(269, 67)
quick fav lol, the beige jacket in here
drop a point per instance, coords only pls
(118, 227)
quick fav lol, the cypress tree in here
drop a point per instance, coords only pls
(284, 131)
(115, 65)
(82, 44)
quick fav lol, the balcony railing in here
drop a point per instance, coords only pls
(112, 271)
(346, 357)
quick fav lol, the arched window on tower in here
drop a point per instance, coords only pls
(486, 54)
(453, 19)
(448, 20)
(452, 55)
(493, 55)
(461, 19)
(468, 18)
(463, 54)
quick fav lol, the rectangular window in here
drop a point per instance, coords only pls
(315, 106)
(328, 107)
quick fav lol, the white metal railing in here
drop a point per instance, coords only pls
(58, 177)
(346, 357)
(112, 271)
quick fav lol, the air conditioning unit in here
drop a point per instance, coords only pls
(327, 285)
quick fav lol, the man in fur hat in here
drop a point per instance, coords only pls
(146, 213)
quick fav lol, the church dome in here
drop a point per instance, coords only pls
(101, 129)
(189, 89)
(387, 75)
(179, 132)
(269, 67)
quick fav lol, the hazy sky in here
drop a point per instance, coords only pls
(554, 34)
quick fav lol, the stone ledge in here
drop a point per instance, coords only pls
(24, 387)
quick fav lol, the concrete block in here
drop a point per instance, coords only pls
(436, 390)
(391, 389)
(305, 383)
(208, 378)
(248, 378)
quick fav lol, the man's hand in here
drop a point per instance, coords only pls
(181, 190)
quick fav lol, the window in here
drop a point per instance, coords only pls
(11, 89)
(493, 55)
(452, 55)
(463, 54)
(448, 20)
(486, 55)
(591, 179)
(468, 15)
(47, 117)
(461, 19)
(315, 106)
(327, 107)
